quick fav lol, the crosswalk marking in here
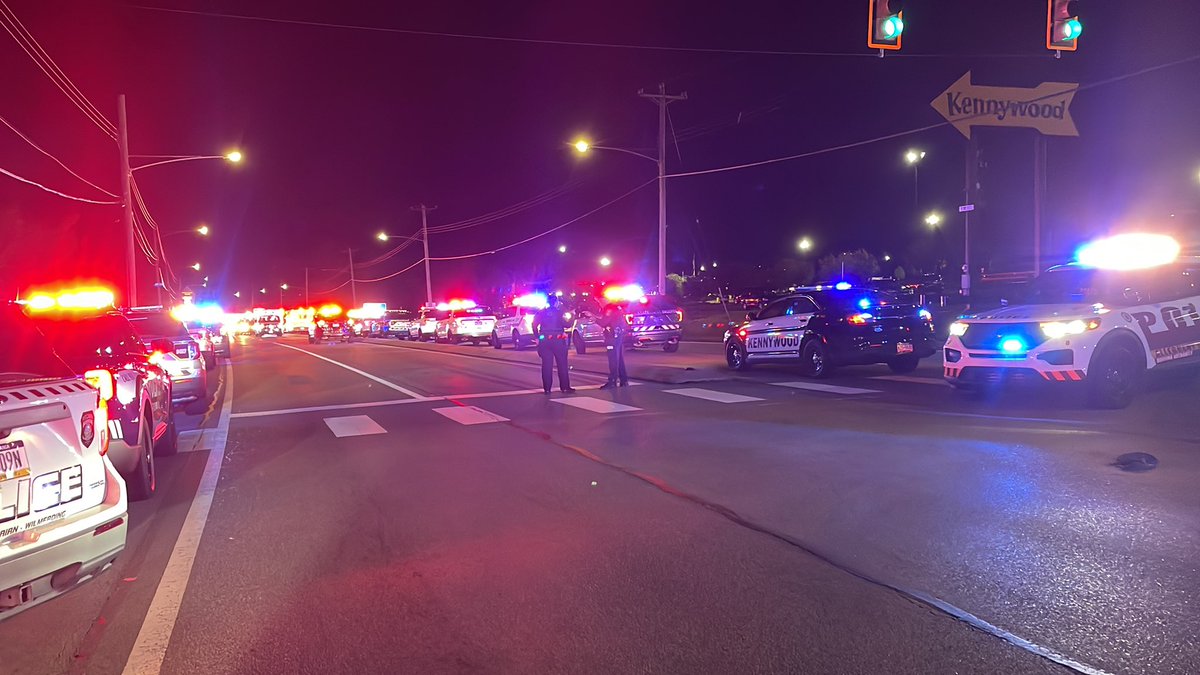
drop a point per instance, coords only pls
(912, 379)
(710, 395)
(353, 425)
(469, 414)
(595, 405)
(827, 388)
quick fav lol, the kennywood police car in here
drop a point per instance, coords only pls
(1096, 322)
(515, 323)
(827, 326)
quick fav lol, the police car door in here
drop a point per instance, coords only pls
(1170, 321)
(768, 335)
(795, 321)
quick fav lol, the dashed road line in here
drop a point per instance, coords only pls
(353, 425)
(711, 395)
(369, 376)
(826, 388)
(469, 415)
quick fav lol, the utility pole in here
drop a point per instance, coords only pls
(127, 204)
(1039, 194)
(969, 190)
(353, 285)
(425, 240)
(662, 100)
(306, 302)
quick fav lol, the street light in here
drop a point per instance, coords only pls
(202, 230)
(933, 220)
(382, 236)
(562, 249)
(913, 157)
(805, 244)
(605, 261)
(233, 157)
(282, 288)
(196, 266)
(582, 146)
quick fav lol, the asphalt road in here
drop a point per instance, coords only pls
(389, 507)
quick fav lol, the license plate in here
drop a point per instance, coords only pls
(478, 323)
(14, 462)
(904, 347)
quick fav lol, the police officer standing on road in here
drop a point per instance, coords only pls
(613, 323)
(550, 327)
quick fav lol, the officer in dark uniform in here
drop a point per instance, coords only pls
(550, 327)
(613, 323)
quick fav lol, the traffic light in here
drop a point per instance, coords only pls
(1062, 25)
(886, 24)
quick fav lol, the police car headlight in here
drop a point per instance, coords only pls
(958, 328)
(1058, 329)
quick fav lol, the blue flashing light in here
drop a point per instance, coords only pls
(864, 303)
(842, 285)
(1012, 345)
(925, 314)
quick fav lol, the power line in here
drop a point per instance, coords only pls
(507, 211)
(553, 229)
(52, 191)
(25, 40)
(389, 276)
(56, 160)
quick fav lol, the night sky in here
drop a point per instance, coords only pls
(345, 130)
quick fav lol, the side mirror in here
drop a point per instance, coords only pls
(162, 345)
(1004, 302)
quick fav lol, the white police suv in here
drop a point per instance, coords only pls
(1128, 305)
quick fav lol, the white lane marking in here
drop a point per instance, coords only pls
(150, 648)
(1005, 418)
(827, 388)
(911, 379)
(596, 405)
(710, 395)
(380, 380)
(469, 415)
(353, 425)
(398, 401)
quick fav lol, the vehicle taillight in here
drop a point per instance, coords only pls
(742, 333)
(860, 319)
(102, 380)
(629, 319)
(87, 429)
(679, 315)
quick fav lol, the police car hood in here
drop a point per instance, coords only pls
(1055, 312)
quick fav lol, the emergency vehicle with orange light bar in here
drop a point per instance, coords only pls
(101, 343)
(1127, 305)
(515, 324)
(63, 507)
(823, 327)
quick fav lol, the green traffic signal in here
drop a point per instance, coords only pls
(1071, 29)
(892, 27)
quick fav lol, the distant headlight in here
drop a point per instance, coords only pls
(1058, 329)
(958, 328)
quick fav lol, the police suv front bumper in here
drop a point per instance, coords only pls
(1050, 361)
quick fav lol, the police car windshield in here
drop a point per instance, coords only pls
(1081, 285)
(86, 342)
(854, 299)
(24, 353)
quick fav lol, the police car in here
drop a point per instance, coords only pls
(822, 327)
(102, 343)
(173, 350)
(63, 508)
(1126, 306)
(652, 320)
(515, 324)
(465, 321)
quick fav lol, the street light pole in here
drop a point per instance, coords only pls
(425, 240)
(662, 99)
(353, 285)
(127, 204)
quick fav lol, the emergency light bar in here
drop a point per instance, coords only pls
(456, 304)
(532, 301)
(81, 299)
(626, 293)
(1132, 251)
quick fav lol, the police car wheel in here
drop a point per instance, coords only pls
(735, 356)
(1113, 378)
(671, 347)
(815, 357)
(141, 483)
(904, 364)
(518, 343)
(496, 344)
(580, 344)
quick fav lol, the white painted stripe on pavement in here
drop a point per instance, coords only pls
(353, 425)
(398, 401)
(380, 380)
(469, 414)
(150, 647)
(827, 388)
(596, 405)
(710, 395)
(912, 379)
(1005, 418)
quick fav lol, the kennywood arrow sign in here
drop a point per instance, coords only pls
(1046, 107)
